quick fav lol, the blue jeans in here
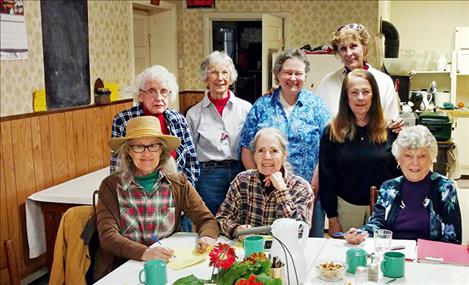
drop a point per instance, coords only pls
(186, 224)
(317, 225)
(214, 182)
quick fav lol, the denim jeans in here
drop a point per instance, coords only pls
(317, 224)
(186, 224)
(213, 184)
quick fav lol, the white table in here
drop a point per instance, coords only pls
(77, 191)
(316, 249)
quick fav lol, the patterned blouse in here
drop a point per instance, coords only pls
(442, 205)
(247, 202)
(142, 214)
(303, 128)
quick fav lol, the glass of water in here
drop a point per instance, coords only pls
(382, 241)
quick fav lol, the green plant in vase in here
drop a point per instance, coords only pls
(253, 270)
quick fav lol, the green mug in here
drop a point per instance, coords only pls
(155, 272)
(393, 264)
(355, 257)
(253, 244)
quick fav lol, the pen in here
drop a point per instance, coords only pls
(397, 247)
(154, 237)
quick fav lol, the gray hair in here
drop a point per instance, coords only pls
(156, 72)
(218, 58)
(286, 55)
(280, 136)
(415, 137)
(167, 162)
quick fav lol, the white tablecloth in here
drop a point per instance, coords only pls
(316, 249)
(76, 191)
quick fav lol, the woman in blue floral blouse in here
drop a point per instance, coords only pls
(421, 204)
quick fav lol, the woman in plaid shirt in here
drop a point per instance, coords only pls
(257, 197)
(142, 202)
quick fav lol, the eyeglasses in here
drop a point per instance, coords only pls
(139, 148)
(353, 26)
(164, 93)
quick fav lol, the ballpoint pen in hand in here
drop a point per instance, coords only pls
(154, 237)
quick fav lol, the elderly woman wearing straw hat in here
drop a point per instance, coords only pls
(142, 202)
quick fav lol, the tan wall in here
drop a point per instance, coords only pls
(428, 25)
(108, 26)
(311, 22)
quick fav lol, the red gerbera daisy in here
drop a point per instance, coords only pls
(222, 255)
(250, 281)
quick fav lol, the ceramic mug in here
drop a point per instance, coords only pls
(355, 257)
(253, 244)
(154, 272)
(393, 264)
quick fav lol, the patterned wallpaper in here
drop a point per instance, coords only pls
(108, 26)
(110, 56)
(310, 22)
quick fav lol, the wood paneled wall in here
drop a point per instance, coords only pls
(41, 150)
(188, 99)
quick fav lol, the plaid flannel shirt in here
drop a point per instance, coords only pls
(186, 157)
(247, 203)
(143, 214)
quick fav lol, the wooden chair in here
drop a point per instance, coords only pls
(373, 197)
(11, 262)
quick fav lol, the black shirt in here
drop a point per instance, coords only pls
(349, 169)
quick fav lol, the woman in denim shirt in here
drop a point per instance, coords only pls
(421, 204)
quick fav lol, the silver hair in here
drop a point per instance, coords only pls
(415, 137)
(286, 55)
(218, 58)
(280, 136)
(156, 72)
(167, 162)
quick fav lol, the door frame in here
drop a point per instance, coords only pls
(162, 24)
(208, 18)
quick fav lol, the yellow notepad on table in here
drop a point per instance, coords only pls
(185, 256)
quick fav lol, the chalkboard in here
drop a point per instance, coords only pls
(66, 59)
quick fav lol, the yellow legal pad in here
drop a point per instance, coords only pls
(185, 256)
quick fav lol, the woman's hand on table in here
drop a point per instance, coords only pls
(354, 236)
(334, 226)
(157, 252)
(204, 243)
(241, 227)
(276, 180)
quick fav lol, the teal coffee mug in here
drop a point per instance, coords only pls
(355, 257)
(154, 272)
(253, 244)
(393, 264)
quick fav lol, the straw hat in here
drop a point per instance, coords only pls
(144, 127)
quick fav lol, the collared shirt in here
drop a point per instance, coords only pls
(442, 206)
(331, 85)
(217, 137)
(144, 214)
(247, 202)
(186, 157)
(303, 128)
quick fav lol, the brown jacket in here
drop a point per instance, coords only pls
(116, 249)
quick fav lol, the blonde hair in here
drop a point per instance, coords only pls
(355, 32)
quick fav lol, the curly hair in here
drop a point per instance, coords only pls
(355, 32)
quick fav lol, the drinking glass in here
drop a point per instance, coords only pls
(382, 240)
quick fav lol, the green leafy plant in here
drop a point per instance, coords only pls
(253, 270)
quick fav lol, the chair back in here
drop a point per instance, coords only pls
(373, 197)
(12, 263)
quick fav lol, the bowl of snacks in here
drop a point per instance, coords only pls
(331, 270)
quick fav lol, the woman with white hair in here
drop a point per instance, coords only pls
(153, 89)
(259, 196)
(215, 125)
(421, 204)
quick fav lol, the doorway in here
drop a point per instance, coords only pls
(242, 41)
